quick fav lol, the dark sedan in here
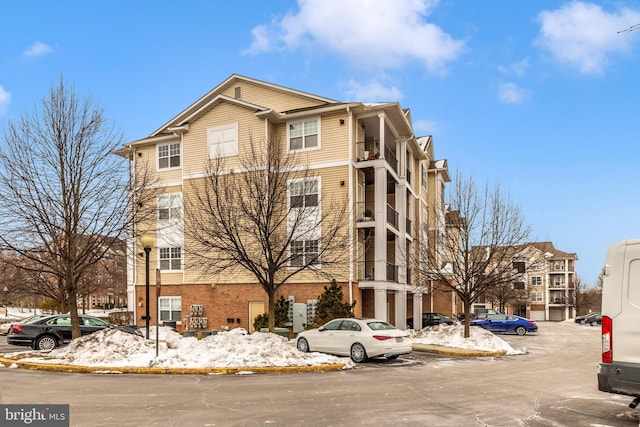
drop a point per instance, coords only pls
(507, 323)
(593, 319)
(51, 331)
(432, 319)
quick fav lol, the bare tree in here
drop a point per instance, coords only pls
(266, 218)
(586, 298)
(63, 192)
(507, 293)
(476, 254)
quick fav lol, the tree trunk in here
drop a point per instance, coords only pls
(272, 311)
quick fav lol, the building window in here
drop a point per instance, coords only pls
(170, 259)
(223, 141)
(304, 252)
(536, 281)
(536, 296)
(169, 207)
(423, 174)
(304, 193)
(303, 135)
(169, 156)
(170, 309)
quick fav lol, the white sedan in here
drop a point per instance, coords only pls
(358, 338)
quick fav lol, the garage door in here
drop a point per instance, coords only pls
(537, 315)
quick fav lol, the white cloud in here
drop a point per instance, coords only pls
(511, 93)
(381, 34)
(519, 68)
(37, 49)
(372, 91)
(584, 36)
(5, 97)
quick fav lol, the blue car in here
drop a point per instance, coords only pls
(507, 323)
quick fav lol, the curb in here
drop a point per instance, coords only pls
(425, 348)
(452, 351)
(11, 363)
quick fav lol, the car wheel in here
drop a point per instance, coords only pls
(302, 345)
(521, 330)
(46, 342)
(594, 323)
(358, 353)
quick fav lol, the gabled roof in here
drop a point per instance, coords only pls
(214, 95)
(545, 248)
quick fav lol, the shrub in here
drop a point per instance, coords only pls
(330, 305)
(281, 319)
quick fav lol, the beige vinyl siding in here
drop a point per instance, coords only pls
(332, 194)
(268, 97)
(147, 156)
(334, 139)
(250, 130)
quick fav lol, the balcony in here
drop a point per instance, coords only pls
(368, 272)
(557, 286)
(368, 150)
(392, 217)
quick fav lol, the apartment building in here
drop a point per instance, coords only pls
(552, 286)
(544, 283)
(366, 154)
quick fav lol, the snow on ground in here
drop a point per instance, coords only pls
(453, 336)
(114, 348)
(231, 349)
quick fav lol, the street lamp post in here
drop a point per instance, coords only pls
(148, 241)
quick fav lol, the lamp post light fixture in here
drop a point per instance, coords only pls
(148, 241)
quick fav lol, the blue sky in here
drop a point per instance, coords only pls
(542, 97)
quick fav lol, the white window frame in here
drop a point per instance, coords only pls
(308, 194)
(169, 207)
(172, 305)
(304, 249)
(536, 280)
(170, 155)
(537, 296)
(174, 262)
(222, 141)
(304, 135)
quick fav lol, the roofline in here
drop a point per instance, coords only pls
(187, 112)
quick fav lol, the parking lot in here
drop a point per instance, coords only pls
(554, 384)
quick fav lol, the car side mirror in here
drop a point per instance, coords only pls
(321, 329)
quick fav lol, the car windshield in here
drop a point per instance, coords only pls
(379, 326)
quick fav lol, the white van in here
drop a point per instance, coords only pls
(619, 371)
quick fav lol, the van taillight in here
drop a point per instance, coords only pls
(607, 339)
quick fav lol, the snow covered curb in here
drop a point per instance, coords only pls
(15, 363)
(114, 351)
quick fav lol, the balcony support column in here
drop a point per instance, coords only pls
(380, 303)
(417, 310)
(401, 309)
(380, 216)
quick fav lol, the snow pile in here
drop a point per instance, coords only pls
(453, 336)
(115, 348)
